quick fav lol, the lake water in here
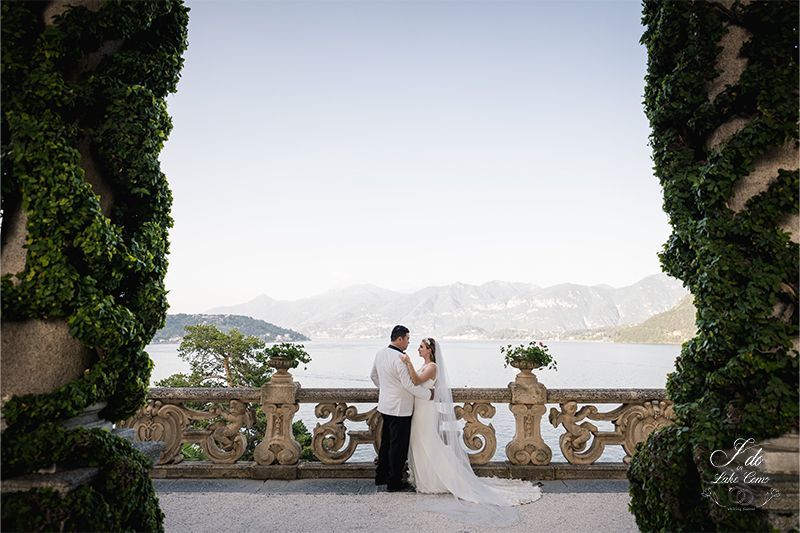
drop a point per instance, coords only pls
(347, 363)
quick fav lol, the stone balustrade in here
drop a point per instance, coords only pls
(217, 420)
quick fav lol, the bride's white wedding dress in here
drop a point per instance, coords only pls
(439, 465)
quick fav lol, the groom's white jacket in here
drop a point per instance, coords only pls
(396, 391)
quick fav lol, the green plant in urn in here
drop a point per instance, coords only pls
(287, 355)
(528, 357)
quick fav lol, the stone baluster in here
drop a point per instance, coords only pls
(279, 403)
(781, 469)
(528, 398)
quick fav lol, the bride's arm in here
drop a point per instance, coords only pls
(415, 378)
(428, 371)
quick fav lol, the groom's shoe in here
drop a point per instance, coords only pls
(403, 487)
(379, 482)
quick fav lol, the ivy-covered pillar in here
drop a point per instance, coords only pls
(85, 212)
(721, 96)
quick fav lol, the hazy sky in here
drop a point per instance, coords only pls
(406, 144)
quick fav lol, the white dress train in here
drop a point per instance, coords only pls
(433, 469)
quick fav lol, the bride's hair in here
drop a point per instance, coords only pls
(430, 343)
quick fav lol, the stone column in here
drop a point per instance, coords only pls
(528, 398)
(40, 355)
(782, 467)
(279, 402)
(781, 454)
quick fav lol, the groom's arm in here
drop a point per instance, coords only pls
(405, 381)
(374, 373)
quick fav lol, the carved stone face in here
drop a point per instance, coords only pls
(237, 407)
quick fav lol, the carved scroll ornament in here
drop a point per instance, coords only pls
(332, 443)
(163, 422)
(637, 422)
(222, 442)
(632, 424)
(478, 436)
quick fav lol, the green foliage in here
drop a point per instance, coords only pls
(192, 452)
(103, 274)
(738, 378)
(223, 359)
(665, 480)
(295, 353)
(183, 380)
(534, 352)
(176, 324)
(120, 498)
(303, 437)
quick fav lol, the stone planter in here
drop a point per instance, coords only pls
(281, 366)
(524, 364)
(526, 375)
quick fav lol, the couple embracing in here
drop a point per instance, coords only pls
(430, 439)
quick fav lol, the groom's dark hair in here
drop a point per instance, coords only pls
(399, 331)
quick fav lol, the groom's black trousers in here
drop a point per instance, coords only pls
(393, 451)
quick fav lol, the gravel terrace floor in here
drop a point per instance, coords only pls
(315, 505)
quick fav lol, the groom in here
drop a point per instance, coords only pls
(396, 394)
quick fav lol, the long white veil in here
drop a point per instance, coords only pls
(474, 500)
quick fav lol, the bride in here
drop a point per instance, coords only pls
(438, 461)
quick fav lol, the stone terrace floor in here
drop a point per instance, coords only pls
(314, 505)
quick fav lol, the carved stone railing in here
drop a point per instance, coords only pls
(227, 411)
(165, 417)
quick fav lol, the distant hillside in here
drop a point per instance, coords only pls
(497, 309)
(174, 330)
(674, 326)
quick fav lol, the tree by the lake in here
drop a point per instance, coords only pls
(219, 359)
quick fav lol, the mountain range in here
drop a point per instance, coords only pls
(494, 310)
(673, 326)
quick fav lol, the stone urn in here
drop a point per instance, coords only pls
(525, 367)
(281, 366)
